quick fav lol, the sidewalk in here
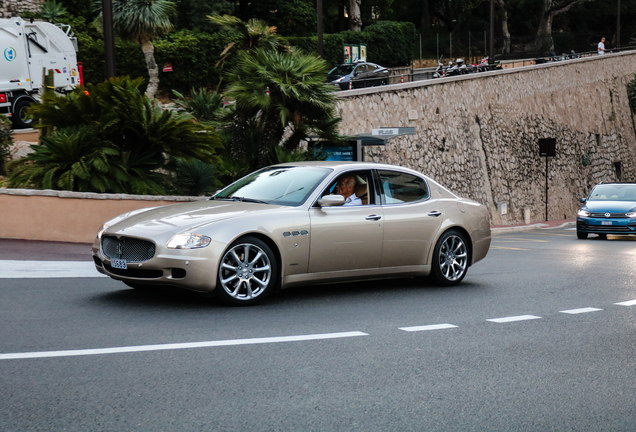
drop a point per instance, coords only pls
(551, 224)
(35, 250)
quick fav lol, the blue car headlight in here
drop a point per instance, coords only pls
(631, 214)
(584, 213)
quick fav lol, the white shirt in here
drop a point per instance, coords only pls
(353, 200)
(601, 48)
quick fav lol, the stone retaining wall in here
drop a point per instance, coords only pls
(67, 216)
(478, 134)
(13, 8)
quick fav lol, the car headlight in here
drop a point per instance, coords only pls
(101, 231)
(631, 214)
(188, 241)
(584, 212)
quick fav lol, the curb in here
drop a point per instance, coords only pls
(521, 228)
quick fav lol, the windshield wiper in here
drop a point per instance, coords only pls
(250, 200)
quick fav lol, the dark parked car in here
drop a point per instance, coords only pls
(609, 209)
(359, 75)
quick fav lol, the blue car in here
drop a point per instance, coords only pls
(609, 209)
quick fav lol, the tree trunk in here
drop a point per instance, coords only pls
(153, 72)
(355, 20)
(239, 140)
(425, 20)
(272, 133)
(543, 41)
(504, 26)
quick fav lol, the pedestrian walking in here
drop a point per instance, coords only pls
(601, 46)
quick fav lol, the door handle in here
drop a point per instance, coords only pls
(435, 213)
(373, 217)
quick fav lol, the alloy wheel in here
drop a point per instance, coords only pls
(245, 272)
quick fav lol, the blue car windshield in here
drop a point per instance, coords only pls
(276, 185)
(613, 192)
(341, 70)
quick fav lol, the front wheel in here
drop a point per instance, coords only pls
(450, 258)
(581, 235)
(247, 273)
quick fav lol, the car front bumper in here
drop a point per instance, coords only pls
(622, 226)
(192, 269)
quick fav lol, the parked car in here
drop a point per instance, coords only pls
(609, 209)
(359, 74)
(283, 226)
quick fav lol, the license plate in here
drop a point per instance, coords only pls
(606, 222)
(119, 264)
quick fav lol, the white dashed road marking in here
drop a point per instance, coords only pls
(47, 269)
(627, 303)
(428, 327)
(581, 310)
(513, 318)
(175, 346)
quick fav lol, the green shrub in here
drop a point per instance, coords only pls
(6, 140)
(631, 93)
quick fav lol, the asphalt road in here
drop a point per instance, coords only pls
(558, 357)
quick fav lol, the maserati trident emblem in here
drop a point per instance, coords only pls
(607, 215)
(120, 248)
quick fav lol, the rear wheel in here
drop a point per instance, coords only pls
(248, 272)
(450, 258)
(20, 119)
(581, 235)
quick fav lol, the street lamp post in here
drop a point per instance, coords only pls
(319, 7)
(491, 48)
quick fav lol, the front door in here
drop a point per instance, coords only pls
(347, 237)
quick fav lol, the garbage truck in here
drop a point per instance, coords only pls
(28, 50)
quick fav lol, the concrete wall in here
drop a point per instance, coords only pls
(478, 134)
(67, 216)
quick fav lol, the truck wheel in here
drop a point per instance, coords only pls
(20, 119)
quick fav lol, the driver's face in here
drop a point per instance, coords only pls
(342, 189)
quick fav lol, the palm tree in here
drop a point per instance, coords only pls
(143, 21)
(282, 90)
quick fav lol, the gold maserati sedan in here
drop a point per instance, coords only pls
(297, 224)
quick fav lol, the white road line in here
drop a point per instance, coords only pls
(175, 346)
(428, 327)
(513, 318)
(581, 310)
(10, 269)
(627, 303)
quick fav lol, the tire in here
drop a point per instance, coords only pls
(248, 272)
(385, 82)
(581, 235)
(450, 259)
(20, 120)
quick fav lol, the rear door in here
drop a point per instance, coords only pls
(411, 218)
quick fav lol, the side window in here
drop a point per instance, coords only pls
(360, 69)
(371, 67)
(355, 186)
(400, 187)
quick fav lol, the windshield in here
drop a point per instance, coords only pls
(342, 70)
(613, 192)
(276, 185)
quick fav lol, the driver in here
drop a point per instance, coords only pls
(345, 188)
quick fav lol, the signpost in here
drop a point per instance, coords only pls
(547, 148)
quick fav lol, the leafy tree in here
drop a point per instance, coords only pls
(282, 90)
(143, 21)
(194, 178)
(205, 106)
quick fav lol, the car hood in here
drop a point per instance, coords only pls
(190, 217)
(610, 206)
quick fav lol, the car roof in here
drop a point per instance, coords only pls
(345, 166)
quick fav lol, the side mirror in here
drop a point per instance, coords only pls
(331, 201)
(583, 200)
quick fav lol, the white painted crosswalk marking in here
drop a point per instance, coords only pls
(175, 346)
(14, 269)
(513, 318)
(580, 311)
(428, 327)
